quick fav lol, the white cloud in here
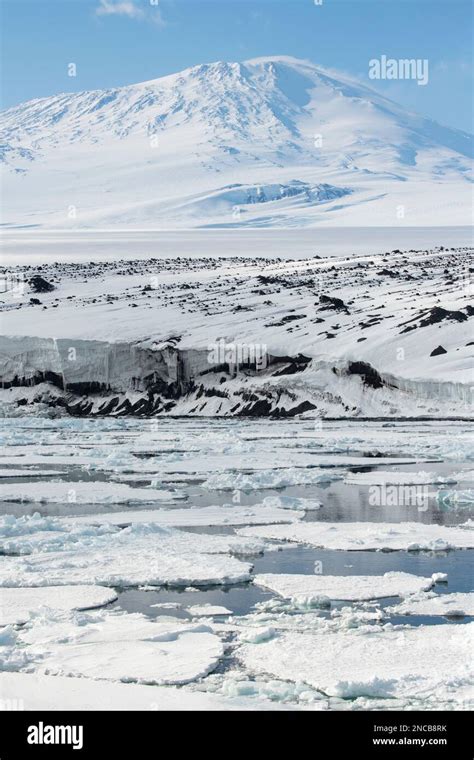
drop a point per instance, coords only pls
(148, 11)
(121, 8)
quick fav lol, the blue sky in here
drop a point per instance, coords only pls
(117, 42)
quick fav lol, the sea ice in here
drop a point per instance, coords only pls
(135, 556)
(231, 481)
(35, 691)
(121, 647)
(98, 492)
(292, 502)
(16, 604)
(306, 590)
(227, 514)
(359, 536)
(420, 662)
(456, 604)
(389, 477)
(29, 473)
(201, 610)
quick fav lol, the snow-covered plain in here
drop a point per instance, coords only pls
(199, 607)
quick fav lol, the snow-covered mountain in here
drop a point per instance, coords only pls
(268, 142)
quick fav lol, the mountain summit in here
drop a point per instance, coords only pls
(267, 142)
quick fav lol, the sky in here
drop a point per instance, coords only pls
(119, 42)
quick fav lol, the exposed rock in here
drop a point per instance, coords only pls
(437, 351)
(39, 285)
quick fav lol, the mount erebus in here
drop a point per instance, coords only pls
(268, 142)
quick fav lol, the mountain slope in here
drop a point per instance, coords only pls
(272, 141)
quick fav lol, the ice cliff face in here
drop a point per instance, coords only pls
(117, 379)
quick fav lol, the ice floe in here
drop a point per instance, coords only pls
(139, 555)
(35, 691)
(29, 473)
(17, 604)
(308, 590)
(230, 481)
(292, 502)
(98, 492)
(456, 605)
(382, 478)
(237, 684)
(423, 662)
(227, 514)
(358, 536)
(201, 610)
(121, 647)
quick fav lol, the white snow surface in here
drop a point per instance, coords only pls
(381, 477)
(308, 589)
(267, 142)
(11, 472)
(424, 662)
(363, 536)
(455, 604)
(59, 552)
(202, 610)
(118, 646)
(231, 481)
(16, 604)
(83, 493)
(35, 691)
(226, 514)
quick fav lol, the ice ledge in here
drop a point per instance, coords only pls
(90, 377)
